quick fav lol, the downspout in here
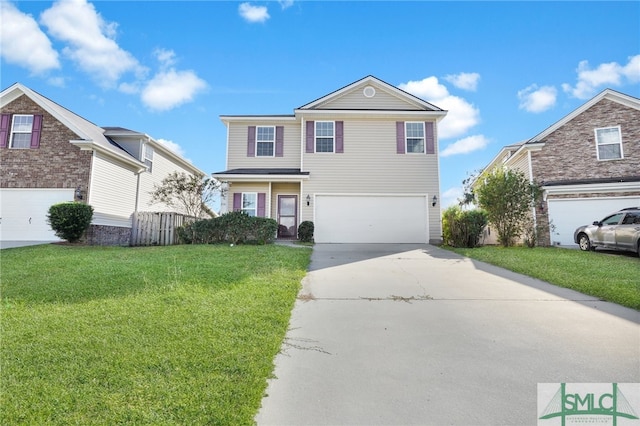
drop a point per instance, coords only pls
(535, 216)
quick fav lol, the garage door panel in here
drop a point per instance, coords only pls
(568, 214)
(23, 213)
(370, 219)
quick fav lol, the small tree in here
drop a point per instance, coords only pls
(507, 196)
(188, 193)
(70, 220)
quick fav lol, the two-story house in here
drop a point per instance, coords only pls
(361, 163)
(588, 164)
(49, 154)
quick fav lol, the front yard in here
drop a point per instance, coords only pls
(612, 277)
(158, 335)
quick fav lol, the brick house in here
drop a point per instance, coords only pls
(588, 164)
(49, 154)
(360, 162)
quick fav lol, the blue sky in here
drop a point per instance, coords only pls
(505, 71)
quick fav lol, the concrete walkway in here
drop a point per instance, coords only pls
(416, 335)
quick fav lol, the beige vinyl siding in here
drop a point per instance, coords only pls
(113, 191)
(371, 165)
(521, 163)
(237, 147)
(382, 100)
(161, 168)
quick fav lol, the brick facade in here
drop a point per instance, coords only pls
(55, 164)
(570, 153)
(100, 235)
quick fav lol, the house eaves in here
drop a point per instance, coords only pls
(612, 95)
(395, 91)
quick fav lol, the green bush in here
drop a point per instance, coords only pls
(305, 231)
(70, 220)
(462, 228)
(233, 227)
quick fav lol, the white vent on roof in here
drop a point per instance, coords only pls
(369, 92)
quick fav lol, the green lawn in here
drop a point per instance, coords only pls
(612, 277)
(159, 335)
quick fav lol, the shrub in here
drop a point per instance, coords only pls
(70, 220)
(233, 227)
(305, 231)
(462, 228)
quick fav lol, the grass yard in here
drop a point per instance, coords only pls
(157, 335)
(612, 277)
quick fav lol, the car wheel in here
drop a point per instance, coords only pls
(584, 242)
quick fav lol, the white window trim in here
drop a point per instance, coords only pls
(13, 132)
(273, 142)
(598, 145)
(255, 209)
(148, 149)
(406, 138)
(315, 137)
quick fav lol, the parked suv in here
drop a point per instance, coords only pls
(618, 231)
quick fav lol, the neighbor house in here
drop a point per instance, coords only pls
(588, 164)
(49, 154)
(361, 163)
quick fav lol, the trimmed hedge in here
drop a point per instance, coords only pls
(305, 231)
(233, 227)
(70, 220)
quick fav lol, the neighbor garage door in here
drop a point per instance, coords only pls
(568, 214)
(370, 219)
(23, 213)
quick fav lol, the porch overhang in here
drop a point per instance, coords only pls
(262, 175)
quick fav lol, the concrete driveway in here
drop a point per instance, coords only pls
(416, 335)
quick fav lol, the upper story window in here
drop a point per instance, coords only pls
(609, 143)
(148, 157)
(265, 141)
(21, 129)
(414, 133)
(325, 133)
(250, 203)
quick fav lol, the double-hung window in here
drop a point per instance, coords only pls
(21, 129)
(414, 134)
(250, 203)
(325, 136)
(609, 143)
(148, 157)
(265, 141)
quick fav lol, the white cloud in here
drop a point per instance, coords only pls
(166, 57)
(169, 89)
(465, 145)
(609, 74)
(90, 41)
(537, 99)
(450, 197)
(171, 146)
(285, 4)
(464, 80)
(23, 43)
(461, 114)
(253, 13)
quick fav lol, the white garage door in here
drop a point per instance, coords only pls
(569, 214)
(23, 213)
(370, 219)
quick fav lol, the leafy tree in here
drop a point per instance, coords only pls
(188, 193)
(507, 196)
(70, 220)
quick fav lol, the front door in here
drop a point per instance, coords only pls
(287, 216)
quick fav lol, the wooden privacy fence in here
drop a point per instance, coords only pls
(157, 229)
